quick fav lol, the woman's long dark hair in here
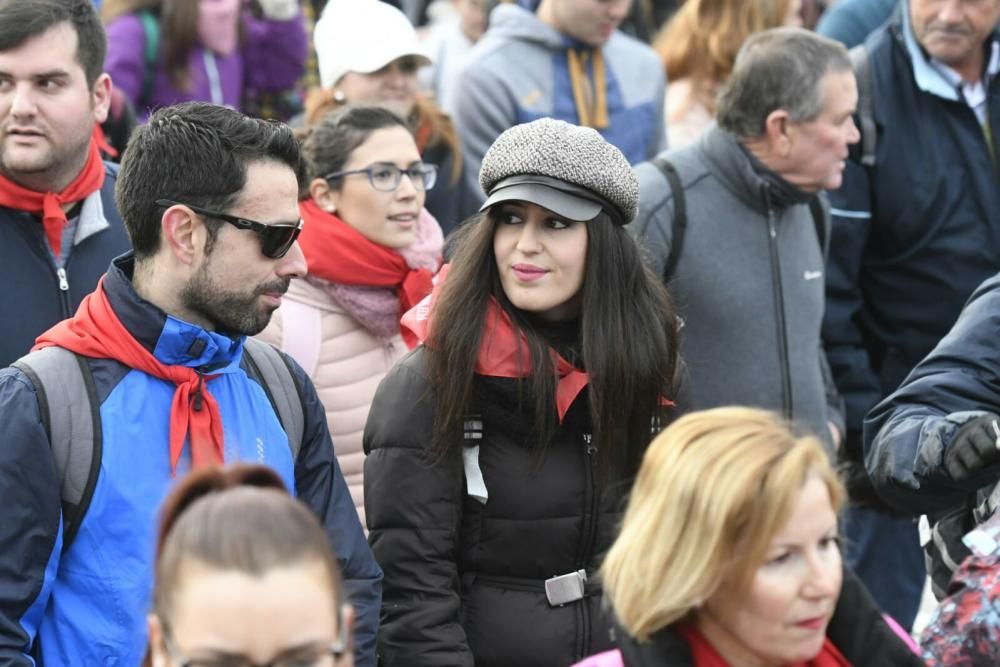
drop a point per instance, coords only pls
(628, 341)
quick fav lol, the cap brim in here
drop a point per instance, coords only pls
(561, 203)
(376, 61)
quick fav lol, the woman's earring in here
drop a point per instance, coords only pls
(339, 97)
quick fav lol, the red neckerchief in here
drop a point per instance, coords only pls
(705, 655)
(340, 254)
(49, 204)
(95, 331)
(502, 353)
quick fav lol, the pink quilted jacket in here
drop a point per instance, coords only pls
(345, 362)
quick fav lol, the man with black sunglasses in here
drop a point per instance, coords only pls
(209, 197)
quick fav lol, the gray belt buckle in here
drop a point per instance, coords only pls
(565, 588)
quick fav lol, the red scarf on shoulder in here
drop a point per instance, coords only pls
(49, 204)
(705, 655)
(95, 331)
(502, 353)
(340, 254)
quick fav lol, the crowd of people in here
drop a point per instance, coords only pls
(615, 333)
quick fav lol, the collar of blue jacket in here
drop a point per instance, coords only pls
(171, 340)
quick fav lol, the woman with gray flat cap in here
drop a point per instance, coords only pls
(501, 449)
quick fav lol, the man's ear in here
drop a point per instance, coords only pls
(154, 629)
(776, 129)
(101, 97)
(323, 195)
(183, 233)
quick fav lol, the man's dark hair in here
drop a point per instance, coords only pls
(20, 20)
(194, 153)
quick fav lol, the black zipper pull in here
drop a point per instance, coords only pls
(197, 393)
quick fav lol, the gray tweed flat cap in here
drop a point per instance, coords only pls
(573, 163)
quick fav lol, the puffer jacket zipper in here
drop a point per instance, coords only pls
(591, 507)
(779, 312)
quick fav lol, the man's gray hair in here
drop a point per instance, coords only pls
(782, 68)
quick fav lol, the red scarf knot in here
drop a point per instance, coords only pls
(95, 331)
(49, 204)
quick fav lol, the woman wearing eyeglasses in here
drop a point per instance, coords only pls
(501, 449)
(245, 577)
(368, 53)
(372, 250)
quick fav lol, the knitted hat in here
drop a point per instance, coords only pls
(362, 36)
(567, 169)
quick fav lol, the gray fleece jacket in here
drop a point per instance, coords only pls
(518, 72)
(748, 284)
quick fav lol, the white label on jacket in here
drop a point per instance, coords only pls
(474, 482)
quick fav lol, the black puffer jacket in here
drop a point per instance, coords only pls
(464, 580)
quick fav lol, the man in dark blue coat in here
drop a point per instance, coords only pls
(913, 235)
(51, 99)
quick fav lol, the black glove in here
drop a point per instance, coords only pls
(975, 446)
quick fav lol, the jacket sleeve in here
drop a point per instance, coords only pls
(30, 520)
(845, 349)
(908, 434)
(320, 484)
(275, 53)
(126, 58)
(413, 507)
(860, 632)
(483, 111)
(653, 224)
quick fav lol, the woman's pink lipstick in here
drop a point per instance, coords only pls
(528, 272)
(813, 623)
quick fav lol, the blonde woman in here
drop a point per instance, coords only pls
(698, 47)
(729, 554)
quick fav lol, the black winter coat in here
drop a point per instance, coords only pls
(464, 580)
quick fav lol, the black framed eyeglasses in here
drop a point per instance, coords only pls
(275, 239)
(320, 654)
(386, 177)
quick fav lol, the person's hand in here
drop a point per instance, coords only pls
(279, 10)
(975, 446)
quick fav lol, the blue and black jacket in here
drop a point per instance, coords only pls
(36, 295)
(87, 606)
(914, 234)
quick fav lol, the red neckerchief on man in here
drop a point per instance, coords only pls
(502, 353)
(340, 254)
(49, 204)
(95, 331)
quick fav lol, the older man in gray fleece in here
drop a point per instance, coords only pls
(734, 225)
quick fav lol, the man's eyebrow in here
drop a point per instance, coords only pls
(51, 74)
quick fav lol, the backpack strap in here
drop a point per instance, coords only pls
(679, 226)
(265, 364)
(69, 409)
(150, 57)
(819, 222)
(866, 105)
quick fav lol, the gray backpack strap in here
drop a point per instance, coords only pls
(266, 364)
(68, 406)
(679, 221)
(866, 104)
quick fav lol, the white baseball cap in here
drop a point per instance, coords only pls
(362, 36)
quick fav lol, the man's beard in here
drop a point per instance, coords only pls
(230, 312)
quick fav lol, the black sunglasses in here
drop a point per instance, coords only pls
(275, 240)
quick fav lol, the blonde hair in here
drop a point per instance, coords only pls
(701, 40)
(713, 491)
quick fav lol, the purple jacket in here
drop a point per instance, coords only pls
(272, 59)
